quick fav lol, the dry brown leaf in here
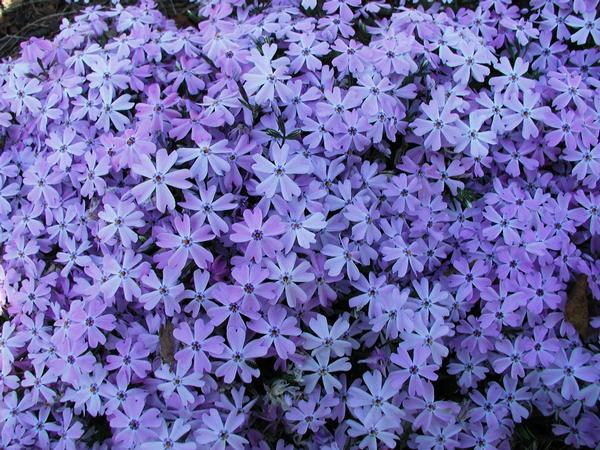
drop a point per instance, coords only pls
(576, 310)
(167, 343)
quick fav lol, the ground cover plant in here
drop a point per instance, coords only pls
(302, 224)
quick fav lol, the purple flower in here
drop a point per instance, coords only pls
(186, 243)
(177, 382)
(267, 75)
(438, 122)
(166, 291)
(275, 329)
(219, 434)
(321, 368)
(197, 345)
(131, 359)
(134, 425)
(569, 370)
(205, 156)
(415, 370)
(259, 236)
(236, 354)
(159, 179)
(121, 218)
(276, 174)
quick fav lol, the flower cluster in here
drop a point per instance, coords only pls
(302, 224)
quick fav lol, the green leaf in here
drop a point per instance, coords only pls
(295, 134)
(273, 133)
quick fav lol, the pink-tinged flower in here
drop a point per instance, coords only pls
(237, 353)
(185, 243)
(260, 237)
(217, 435)
(160, 178)
(132, 143)
(197, 345)
(274, 329)
(177, 382)
(135, 423)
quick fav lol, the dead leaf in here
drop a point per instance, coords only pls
(167, 343)
(576, 310)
